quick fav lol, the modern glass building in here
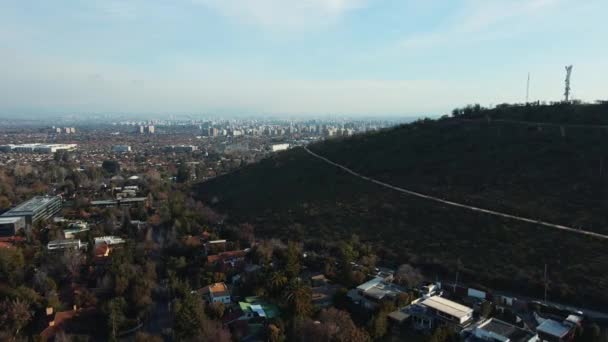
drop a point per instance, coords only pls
(36, 209)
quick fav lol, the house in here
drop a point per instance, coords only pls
(102, 251)
(554, 331)
(430, 312)
(254, 307)
(229, 259)
(75, 322)
(371, 293)
(217, 293)
(496, 330)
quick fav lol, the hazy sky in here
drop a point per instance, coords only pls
(295, 56)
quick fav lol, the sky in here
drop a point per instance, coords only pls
(295, 57)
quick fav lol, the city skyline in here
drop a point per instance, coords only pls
(312, 57)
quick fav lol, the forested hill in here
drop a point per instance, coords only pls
(559, 113)
(554, 173)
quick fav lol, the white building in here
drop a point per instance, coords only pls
(109, 240)
(218, 293)
(369, 294)
(496, 330)
(428, 312)
(37, 148)
(279, 147)
(75, 228)
(65, 244)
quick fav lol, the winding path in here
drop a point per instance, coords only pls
(459, 205)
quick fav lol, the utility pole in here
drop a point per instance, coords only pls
(545, 284)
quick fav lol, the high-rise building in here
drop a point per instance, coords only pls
(146, 129)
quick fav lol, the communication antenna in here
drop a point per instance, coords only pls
(528, 89)
(568, 73)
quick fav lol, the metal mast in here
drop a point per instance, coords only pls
(528, 89)
(568, 73)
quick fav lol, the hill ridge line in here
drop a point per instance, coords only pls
(456, 204)
(534, 123)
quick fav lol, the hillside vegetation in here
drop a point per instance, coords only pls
(552, 173)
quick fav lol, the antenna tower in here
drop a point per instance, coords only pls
(568, 73)
(528, 89)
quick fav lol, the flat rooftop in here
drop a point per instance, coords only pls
(553, 328)
(370, 284)
(447, 306)
(122, 200)
(32, 205)
(513, 333)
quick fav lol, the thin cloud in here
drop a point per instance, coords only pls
(117, 9)
(479, 21)
(284, 14)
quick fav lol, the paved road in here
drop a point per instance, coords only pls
(460, 205)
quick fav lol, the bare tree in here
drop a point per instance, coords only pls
(72, 259)
(408, 276)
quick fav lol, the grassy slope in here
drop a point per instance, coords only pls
(512, 168)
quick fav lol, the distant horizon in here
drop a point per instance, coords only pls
(37, 115)
(295, 57)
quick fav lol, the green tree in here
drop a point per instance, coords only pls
(299, 298)
(379, 325)
(111, 166)
(276, 282)
(443, 334)
(333, 325)
(12, 264)
(116, 315)
(189, 316)
(85, 298)
(183, 173)
(292, 264)
(215, 310)
(14, 316)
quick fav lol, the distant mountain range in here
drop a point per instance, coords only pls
(546, 162)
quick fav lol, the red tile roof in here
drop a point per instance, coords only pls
(59, 321)
(224, 256)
